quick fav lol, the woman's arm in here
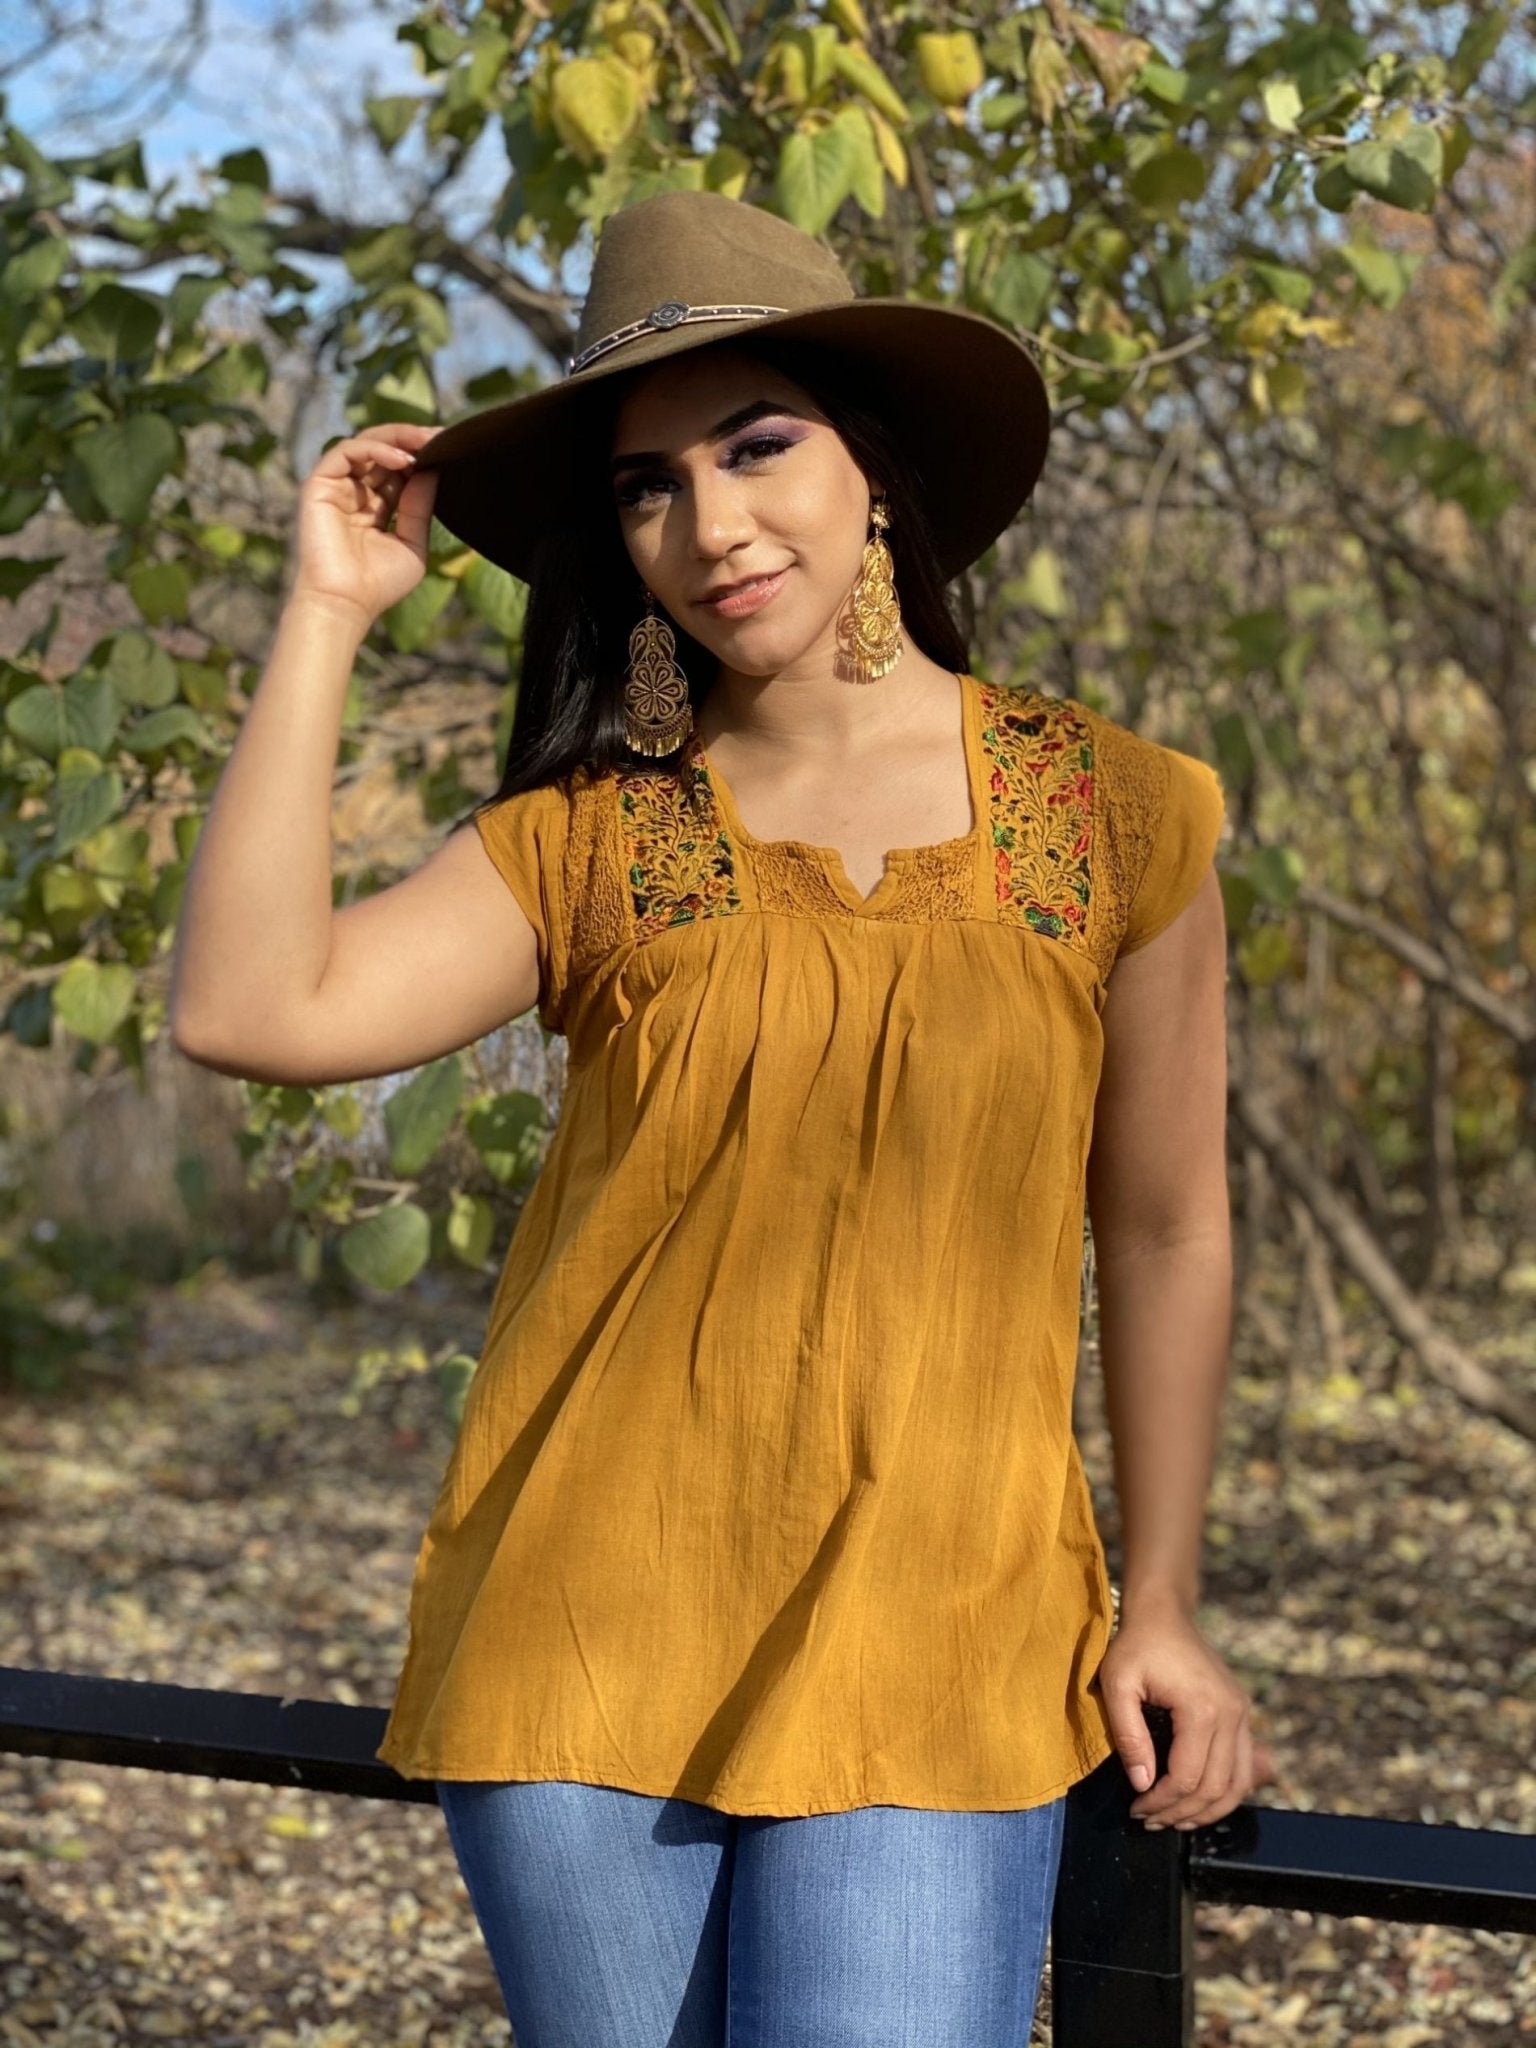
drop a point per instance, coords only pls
(1158, 1202)
(269, 982)
(1157, 1198)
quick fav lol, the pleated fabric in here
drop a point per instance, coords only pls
(766, 1494)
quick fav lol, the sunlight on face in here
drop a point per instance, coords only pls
(776, 491)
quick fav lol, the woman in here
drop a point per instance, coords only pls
(761, 1624)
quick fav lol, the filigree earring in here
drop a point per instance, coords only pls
(870, 632)
(657, 713)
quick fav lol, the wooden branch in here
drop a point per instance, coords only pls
(1512, 1018)
(1352, 1243)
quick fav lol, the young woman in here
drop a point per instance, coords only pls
(761, 1624)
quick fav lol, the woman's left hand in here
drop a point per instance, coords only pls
(1158, 1656)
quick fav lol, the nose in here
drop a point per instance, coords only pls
(719, 516)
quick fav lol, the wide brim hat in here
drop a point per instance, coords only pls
(682, 269)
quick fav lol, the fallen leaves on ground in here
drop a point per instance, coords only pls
(205, 1514)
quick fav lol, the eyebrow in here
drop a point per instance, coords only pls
(731, 424)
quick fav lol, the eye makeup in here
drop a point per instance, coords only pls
(749, 449)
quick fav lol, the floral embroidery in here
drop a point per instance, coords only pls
(678, 858)
(1040, 752)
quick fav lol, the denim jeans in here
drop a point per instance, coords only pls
(619, 1920)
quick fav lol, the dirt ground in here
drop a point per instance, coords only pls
(206, 1513)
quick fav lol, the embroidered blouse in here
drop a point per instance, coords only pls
(766, 1494)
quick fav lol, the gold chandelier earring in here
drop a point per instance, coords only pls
(870, 632)
(657, 713)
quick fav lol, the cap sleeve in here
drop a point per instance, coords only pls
(525, 836)
(1180, 833)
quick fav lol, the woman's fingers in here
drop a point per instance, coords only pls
(413, 511)
(392, 444)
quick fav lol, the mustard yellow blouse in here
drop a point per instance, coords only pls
(766, 1494)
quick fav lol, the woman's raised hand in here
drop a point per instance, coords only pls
(346, 553)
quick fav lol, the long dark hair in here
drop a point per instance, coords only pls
(584, 595)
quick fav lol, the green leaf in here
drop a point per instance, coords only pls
(1332, 185)
(1383, 277)
(116, 323)
(18, 502)
(92, 998)
(115, 852)
(1404, 172)
(818, 45)
(594, 103)
(508, 1132)
(383, 255)
(1292, 288)
(1164, 82)
(1174, 284)
(245, 167)
(866, 179)
(391, 116)
(388, 1249)
(82, 802)
(409, 623)
(1282, 103)
(203, 687)
(814, 177)
(728, 170)
(35, 269)
(1276, 872)
(1001, 111)
(1173, 177)
(18, 573)
(49, 720)
(950, 65)
(1021, 289)
(157, 731)
(1042, 586)
(858, 69)
(38, 719)
(1264, 954)
(454, 1376)
(419, 1114)
(126, 459)
(471, 1227)
(93, 712)
(140, 670)
(496, 596)
(160, 590)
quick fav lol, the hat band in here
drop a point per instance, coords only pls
(671, 313)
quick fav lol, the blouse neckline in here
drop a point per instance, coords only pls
(828, 857)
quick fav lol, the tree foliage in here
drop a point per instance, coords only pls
(1279, 273)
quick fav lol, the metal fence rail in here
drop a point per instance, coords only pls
(1123, 1963)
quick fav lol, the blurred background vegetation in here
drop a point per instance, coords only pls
(1279, 264)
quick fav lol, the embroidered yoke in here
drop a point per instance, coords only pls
(766, 1494)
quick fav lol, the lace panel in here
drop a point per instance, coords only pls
(597, 901)
(1041, 786)
(1133, 777)
(796, 883)
(938, 882)
(677, 859)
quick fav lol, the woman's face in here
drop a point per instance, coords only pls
(705, 498)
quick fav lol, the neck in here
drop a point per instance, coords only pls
(809, 712)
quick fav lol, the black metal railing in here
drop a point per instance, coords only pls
(1122, 1928)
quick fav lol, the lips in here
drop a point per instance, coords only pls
(736, 589)
(746, 598)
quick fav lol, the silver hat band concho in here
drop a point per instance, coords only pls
(670, 313)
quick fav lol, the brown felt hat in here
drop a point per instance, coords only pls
(682, 269)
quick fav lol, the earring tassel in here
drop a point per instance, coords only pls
(875, 626)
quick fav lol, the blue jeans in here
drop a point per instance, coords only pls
(619, 1920)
